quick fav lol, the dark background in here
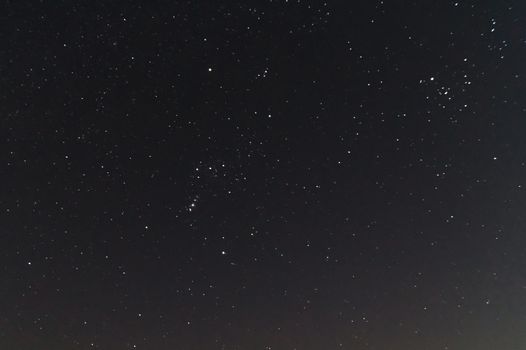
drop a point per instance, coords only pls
(263, 175)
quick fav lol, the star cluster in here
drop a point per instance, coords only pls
(281, 174)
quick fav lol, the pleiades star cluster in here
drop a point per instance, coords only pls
(263, 175)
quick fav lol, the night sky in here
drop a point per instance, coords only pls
(263, 175)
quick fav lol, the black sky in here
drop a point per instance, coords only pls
(263, 175)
